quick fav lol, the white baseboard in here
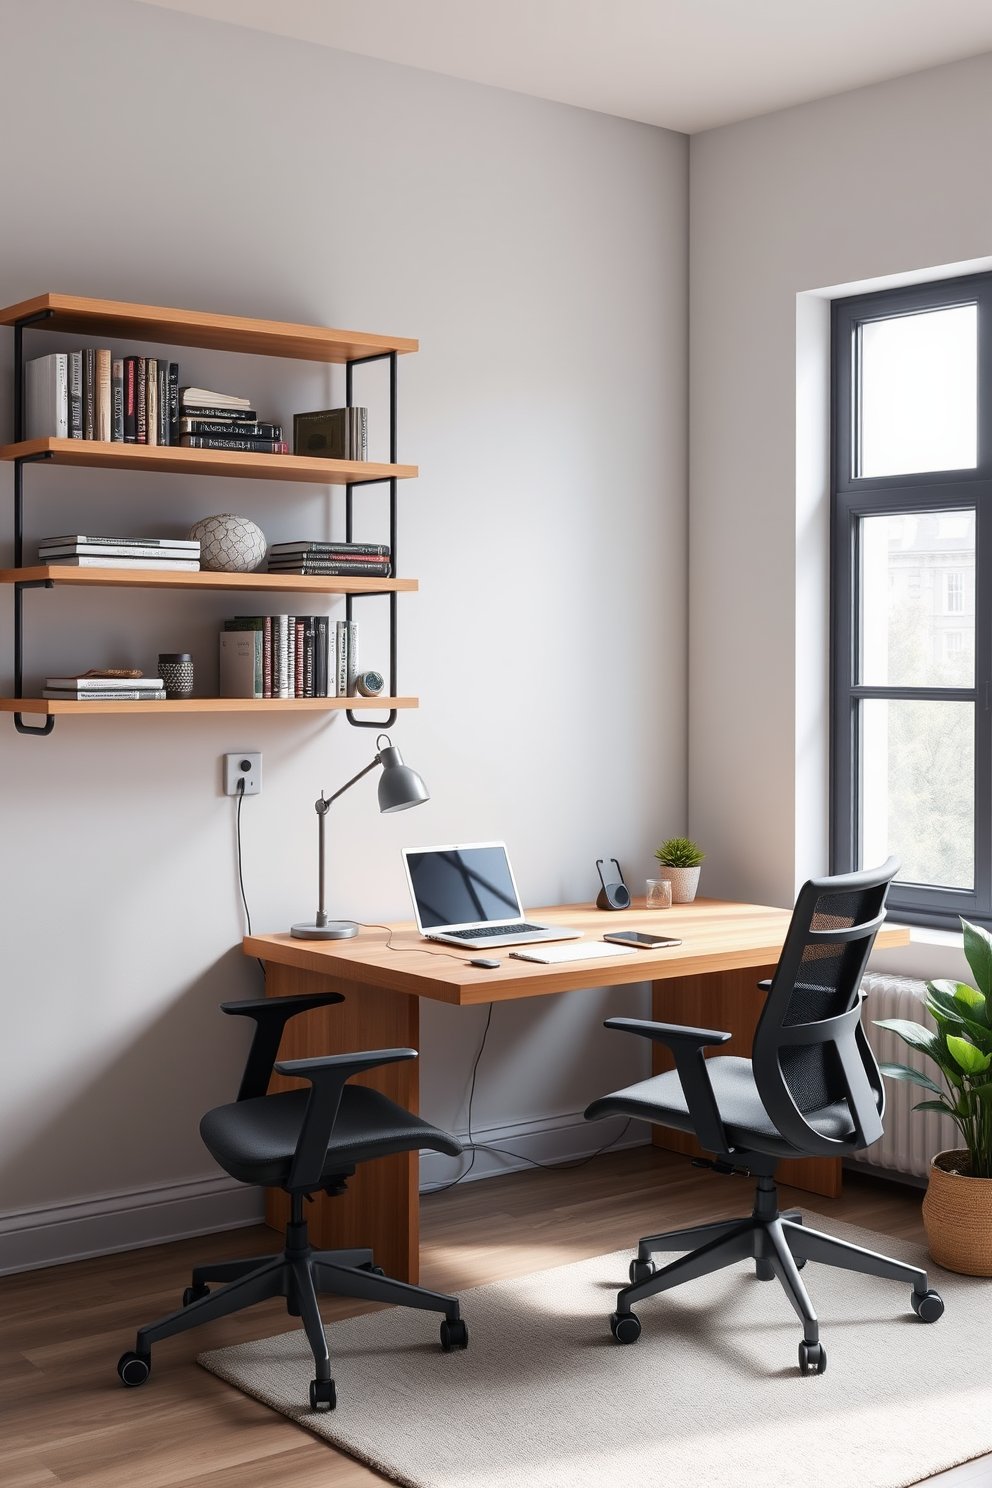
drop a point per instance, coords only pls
(78, 1228)
(107, 1223)
(554, 1139)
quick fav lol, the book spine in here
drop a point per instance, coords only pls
(309, 640)
(151, 401)
(62, 395)
(173, 400)
(117, 401)
(130, 395)
(221, 428)
(103, 411)
(75, 394)
(163, 402)
(341, 659)
(363, 445)
(140, 400)
(334, 570)
(267, 658)
(102, 697)
(252, 446)
(304, 552)
(89, 393)
(352, 657)
(205, 411)
(299, 648)
(320, 659)
(259, 643)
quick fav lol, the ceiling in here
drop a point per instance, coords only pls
(684, 64)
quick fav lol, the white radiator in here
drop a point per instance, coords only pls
(911, 1137)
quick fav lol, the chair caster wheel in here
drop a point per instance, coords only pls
(454, 1334)
(928, 1307)
(800, 1261)
(133, 1368)
(194, 1293)
(372, 1269)
(812, 1358)
(625, 1327)
(323, 1396)
(641, 1270)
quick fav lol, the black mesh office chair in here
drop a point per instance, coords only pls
(303, 1141)
(811, 1089)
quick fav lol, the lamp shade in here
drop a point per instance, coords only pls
(399, 786)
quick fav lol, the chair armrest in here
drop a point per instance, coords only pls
(327, 1074)
(271, 1014)
(687, 1045)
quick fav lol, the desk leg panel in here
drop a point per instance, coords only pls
(381, 1208)
(732, 1002)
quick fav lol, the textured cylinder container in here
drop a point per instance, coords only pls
(957, 1212)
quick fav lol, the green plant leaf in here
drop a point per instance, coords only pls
(942, 1106)
(984, 1092)
(950, 1016)
(913, 1034)
(971, 1060)
(911, 1076)
(978, 951)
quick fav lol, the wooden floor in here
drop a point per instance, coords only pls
(65, 1418)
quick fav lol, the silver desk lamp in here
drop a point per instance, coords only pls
(399, 788)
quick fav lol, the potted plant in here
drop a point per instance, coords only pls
(680, 858)
(957, 1209)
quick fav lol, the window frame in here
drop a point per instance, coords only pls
(854, 497)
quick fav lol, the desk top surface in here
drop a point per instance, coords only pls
(717, 935)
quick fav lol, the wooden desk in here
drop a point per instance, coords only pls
(708, 980)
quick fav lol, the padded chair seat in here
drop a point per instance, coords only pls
(746, 1122)
(255, 1140)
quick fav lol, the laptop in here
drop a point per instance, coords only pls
(466, 896)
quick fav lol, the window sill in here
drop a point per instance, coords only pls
(931, 953)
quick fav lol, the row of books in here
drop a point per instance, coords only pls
(105, 689)
(76, 550)
(288, 656)
(137, 400)
(330, 559)
(332, 433)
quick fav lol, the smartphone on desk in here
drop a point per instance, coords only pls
(640, 939)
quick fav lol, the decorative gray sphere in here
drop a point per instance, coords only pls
(229, 544)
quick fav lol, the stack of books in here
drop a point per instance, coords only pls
(94, 395)
(76, 551)
(223, 421)
(288, 656)
(112, 687)
(330, 559)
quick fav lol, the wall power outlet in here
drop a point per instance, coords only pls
(244, 766)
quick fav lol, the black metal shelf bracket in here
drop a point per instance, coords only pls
(19, 724)
(389, 356)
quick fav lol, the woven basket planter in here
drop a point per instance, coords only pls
(957, 1212)
(684, 881)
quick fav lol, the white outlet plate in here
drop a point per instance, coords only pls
(247, 766)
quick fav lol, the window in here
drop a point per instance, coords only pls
(911, 628)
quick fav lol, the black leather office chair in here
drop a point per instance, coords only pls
(811, 1089)
(303, 1141)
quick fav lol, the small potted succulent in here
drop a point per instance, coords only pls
(679, 860)
(957, 1209)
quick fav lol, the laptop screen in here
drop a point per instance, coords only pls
(462, 885)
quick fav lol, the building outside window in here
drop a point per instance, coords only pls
(911, 756)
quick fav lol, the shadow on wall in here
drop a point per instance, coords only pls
(137, 1122)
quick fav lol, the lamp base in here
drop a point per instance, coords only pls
(333, 930)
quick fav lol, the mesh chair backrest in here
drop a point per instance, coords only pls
(819, 979)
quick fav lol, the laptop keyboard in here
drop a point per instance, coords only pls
(481, 930)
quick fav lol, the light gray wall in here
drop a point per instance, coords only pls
(539, 253)
(880, 182)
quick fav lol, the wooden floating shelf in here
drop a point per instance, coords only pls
(170, 707)
(151, 578)
(237, 333)
(175, 460)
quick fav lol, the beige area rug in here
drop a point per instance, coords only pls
(709, 1397)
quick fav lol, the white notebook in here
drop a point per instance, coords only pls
(582, 950)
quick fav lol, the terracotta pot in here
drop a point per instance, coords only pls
(957, 1212)
(684, 881)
